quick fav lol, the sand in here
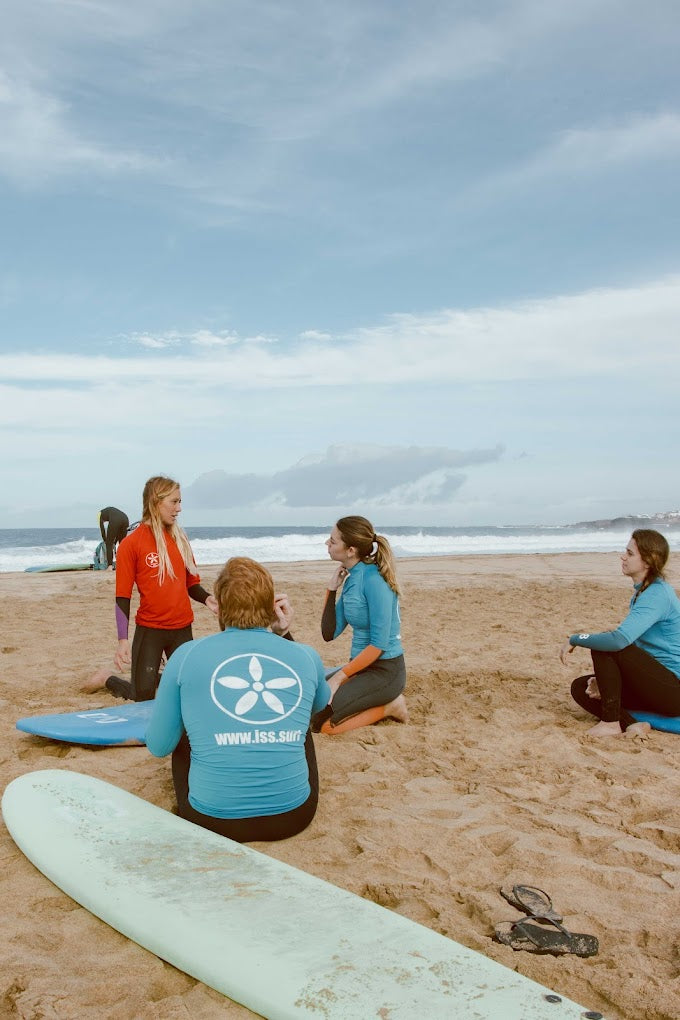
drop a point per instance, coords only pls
(493, 781)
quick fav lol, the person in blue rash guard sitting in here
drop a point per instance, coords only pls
(234, 709)
(370, 686)
(637, 666)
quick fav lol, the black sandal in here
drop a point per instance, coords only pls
(533, 938)
(533, 901)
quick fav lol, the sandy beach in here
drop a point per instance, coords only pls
(493, 781)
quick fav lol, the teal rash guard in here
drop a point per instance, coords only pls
(245, 698)
(653, 624)
(371, 609)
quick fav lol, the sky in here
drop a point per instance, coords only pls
(415, 261)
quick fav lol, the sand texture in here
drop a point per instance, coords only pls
(493, 781)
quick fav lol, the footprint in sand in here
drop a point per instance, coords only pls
(48, 747)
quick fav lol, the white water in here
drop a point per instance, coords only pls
(290, 547)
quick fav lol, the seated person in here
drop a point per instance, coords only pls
(636, 666)
(234, 709)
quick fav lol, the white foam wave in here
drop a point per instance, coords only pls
(21, 557)
(265, 548)
(293, 547)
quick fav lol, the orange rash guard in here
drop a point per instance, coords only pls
(166, 606)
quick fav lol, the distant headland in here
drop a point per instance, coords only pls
(670, 519)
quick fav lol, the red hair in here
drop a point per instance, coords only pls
(245, 594)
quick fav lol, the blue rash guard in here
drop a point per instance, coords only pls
(371, 609)
(653, 624)
(245, 698)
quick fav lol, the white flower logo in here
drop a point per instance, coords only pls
(152, 560)
(247, 682)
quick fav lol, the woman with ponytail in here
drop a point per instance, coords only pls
(157, 558)
(637, 666)
(370, 686)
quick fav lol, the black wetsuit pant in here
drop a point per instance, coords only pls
(378, 684)
(246, 830)
(148, 647)
(117, 524)
(629, 680)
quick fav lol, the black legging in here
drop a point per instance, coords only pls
(378, 684)
(117, 524)
(148, 646)
(267, 828)
(629, 679)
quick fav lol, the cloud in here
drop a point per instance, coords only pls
(212, 88)
(346, 475)
(206, 338)
(606, 333)
(155, 343)
(315, 334)
(37, 141)
(589, 151)
(201, 338)
(640, 138)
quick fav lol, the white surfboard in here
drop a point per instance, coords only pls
(281, 942)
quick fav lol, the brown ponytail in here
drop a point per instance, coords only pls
(358, 532)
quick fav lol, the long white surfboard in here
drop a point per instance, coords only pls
(281, 942)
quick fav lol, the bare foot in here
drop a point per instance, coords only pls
(638, 729)
(97, 681)
(605, 729)
(397, 709)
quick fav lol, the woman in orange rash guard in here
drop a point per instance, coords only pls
(157, 558)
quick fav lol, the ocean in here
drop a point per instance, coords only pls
(31, 547)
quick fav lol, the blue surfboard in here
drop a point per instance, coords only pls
(124, 723)
(668, 723)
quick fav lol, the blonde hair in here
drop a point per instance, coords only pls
(358, 532)
(155, 491)
(244, 591)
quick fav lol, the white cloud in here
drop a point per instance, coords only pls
(206, 338)
(201, 338)
(155, 343)
(589, 151)
(186, 66)
(37, 141)
(639, 138)
(315, 334)
(601, 333)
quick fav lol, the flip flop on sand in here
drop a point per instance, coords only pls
(532, 901)
(533, 938)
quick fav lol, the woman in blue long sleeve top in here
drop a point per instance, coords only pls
(370, 686)
(234, 709)
(637, 666)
